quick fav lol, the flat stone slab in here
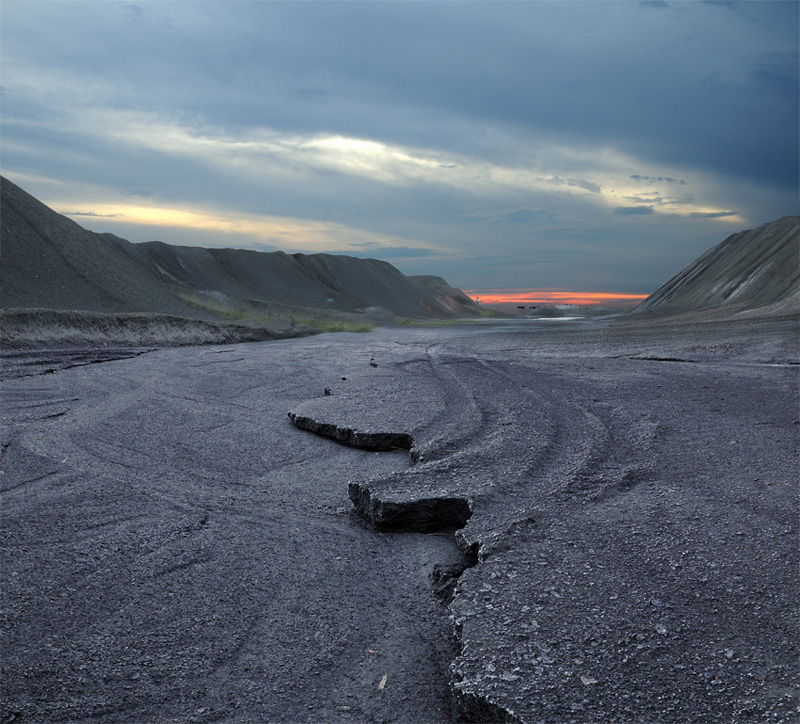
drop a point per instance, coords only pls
(378, 409)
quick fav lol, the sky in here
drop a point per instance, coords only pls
(507, 146)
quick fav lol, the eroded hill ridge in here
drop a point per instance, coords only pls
(753, 272)
(50, 262)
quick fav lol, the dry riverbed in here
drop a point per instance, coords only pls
(583, 523)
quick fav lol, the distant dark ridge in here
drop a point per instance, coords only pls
(752, 272)
(321, 281)
(48, 261)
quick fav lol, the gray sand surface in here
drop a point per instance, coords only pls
(622, 501)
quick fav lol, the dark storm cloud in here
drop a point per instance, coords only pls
(372, 68)
(419, 124)
(711, 215)
(633, 210)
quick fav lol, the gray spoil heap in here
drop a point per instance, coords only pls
(50, 262)
(753, 271)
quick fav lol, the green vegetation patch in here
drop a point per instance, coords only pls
(336, 325)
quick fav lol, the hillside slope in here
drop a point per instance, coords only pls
(319, 281)
(752, 272)
(48, 261)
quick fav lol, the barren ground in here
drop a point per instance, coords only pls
(622, 502)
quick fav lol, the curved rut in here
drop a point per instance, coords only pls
(510, 452)
(610, 538)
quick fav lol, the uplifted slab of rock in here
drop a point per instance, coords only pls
(407, 510)
(377, 438)
(377, 410)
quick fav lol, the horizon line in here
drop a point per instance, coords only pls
(549, 296)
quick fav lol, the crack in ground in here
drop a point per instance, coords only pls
(379, 441)
(569, 451)
(400, 510)
(446, 514)
(394, 503)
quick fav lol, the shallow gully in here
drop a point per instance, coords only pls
(441, 515)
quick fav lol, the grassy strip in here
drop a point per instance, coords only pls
(253, 315)
(408, 322)
(335, 325)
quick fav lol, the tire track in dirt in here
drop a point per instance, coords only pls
(524, 480)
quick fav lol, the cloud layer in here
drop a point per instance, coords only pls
(562, 144)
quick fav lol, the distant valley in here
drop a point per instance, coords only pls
(62, 285)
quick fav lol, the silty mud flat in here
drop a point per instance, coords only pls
(591, 524)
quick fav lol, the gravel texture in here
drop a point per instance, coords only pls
(624, 546)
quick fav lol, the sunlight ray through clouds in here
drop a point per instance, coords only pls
(284, 233)
(599, 176)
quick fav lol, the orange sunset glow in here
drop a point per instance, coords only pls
(552, 296)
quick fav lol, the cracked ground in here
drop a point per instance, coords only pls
(582, 523)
